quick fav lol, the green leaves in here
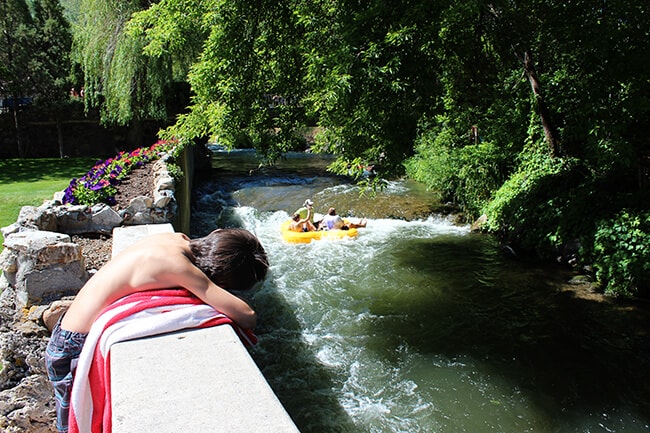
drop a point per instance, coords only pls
(532, 111)
(119, 78)
(622, 253)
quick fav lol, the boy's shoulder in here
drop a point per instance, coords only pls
(158, 246)
(161, 240)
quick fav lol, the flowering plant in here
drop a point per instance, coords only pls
(99, 185)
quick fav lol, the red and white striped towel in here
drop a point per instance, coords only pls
(135, 316)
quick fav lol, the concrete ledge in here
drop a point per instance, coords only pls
(126, 235)
(195, 381)
(200, 380)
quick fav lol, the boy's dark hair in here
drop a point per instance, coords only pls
(234, 259)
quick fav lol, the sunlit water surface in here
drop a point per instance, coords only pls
(419, 325)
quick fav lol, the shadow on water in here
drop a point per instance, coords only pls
(564, 346)
(433, 329)
(306, 389)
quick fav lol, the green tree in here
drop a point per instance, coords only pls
(126, 85)
(16, 35)
(365, 73)
(34, 52)
(50, 62)
(247, 79)
(518, 108)
(372, 75)
(567, 66)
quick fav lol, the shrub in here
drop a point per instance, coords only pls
(546, 204)
(622, 253)
(466, 175)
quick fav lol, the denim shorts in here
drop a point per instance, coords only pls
(61, 357)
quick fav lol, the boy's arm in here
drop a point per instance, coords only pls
(192, 279)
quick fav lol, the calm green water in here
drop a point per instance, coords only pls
(419, 325)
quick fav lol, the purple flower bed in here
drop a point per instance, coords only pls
(99, 185)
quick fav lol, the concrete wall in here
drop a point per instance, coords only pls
(200, 380)
(184, 191)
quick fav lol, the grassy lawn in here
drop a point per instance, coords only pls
(28, 182)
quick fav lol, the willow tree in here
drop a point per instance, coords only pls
(124, 83)
(364, 72)
(375, 76)
(246, 77)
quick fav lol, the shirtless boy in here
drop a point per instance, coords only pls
(228, 259)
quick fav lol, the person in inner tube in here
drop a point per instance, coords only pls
(298, 224)
(306, 212)
(332, 221)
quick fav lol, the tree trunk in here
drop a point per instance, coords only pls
(19, 142)
(59, 136)
(549, 129)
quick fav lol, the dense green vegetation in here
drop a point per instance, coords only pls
(533, 113)
(35, 42)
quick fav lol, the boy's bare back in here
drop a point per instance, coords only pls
(156, 262)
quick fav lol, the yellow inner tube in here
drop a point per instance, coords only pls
(306, 237)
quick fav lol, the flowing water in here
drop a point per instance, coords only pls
(419, 325)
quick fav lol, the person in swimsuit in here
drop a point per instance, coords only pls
(301, 225)
(332, 221)
(302, 213)
(209, 267)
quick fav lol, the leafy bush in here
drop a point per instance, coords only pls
(99, 185)
(466, 175)
(433, 164)
(622, 253)
(545, 204)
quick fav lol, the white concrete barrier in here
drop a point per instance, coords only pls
(195, 381)
(127, 235)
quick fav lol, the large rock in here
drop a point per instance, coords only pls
(26, 396)
(162, 198)
(79, 219)
(28, 407)
(41, 265)
(38, 218)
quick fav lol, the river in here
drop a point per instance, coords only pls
(419, 325)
